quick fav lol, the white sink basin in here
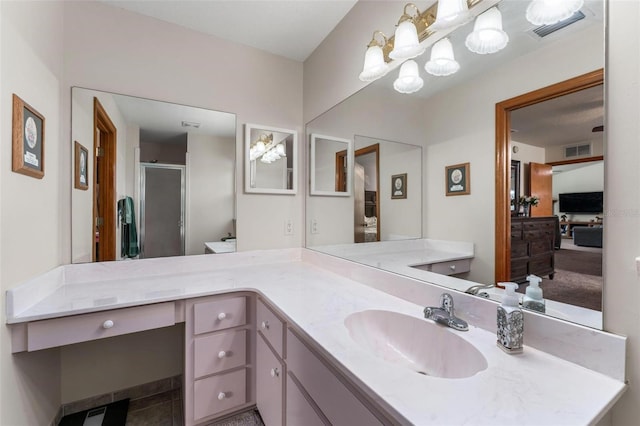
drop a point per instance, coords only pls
(420, 345)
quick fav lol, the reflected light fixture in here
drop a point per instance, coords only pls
(547, 12)
(487, 36)
(266, 150)
(408, 80)
(451, 13)
(374, 64)
(442, 61)
(406, 44)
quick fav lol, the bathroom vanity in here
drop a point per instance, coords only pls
(294, 331)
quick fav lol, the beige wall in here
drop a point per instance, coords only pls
(210, 190)
(31, 53)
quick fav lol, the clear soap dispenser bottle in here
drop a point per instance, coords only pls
(533, 296)
(510, 321)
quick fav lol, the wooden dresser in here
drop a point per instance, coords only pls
(532, 246)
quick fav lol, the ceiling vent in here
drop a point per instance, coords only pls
(545, 30)
(581, 150)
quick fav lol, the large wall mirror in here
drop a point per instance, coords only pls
(160, 178)
(452, 120)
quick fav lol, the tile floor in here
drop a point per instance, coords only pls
(157, 404)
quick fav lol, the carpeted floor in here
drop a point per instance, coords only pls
(577, 280)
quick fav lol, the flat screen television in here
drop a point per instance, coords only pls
(581, 202)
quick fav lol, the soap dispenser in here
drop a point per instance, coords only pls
(533, 296)
(510, 321)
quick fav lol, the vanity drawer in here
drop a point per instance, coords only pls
(270, 326)
(451, 267)
(219, 314)
(300, 411)
(219, 393)
(219, 352)
(333, 398)
(81, 328)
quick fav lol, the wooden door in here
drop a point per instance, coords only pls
(540, 185)
(358, 204)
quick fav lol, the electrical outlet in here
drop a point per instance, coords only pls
(288, 227)
(314, 226)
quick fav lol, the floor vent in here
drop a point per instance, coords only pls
(545, 30)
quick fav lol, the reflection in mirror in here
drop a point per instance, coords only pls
(270, 160)
(453, 120)
(141, 149)
(330, 165)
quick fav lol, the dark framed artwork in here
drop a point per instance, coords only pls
(28, 140)
(457, 179)
(81, 173)
(399, 186)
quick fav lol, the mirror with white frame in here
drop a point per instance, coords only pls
(270, 160)
(330, 165)
(161, 178)
(452, 119)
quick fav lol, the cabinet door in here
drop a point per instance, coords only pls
(269, 384)
(300, 410)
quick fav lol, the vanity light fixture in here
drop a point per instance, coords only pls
(487, 36)
(406, 44)
(451, 13)
(442, 61)
(374, 63)
(547, 12)
(409, 80)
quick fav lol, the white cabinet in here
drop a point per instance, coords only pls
(295, 386)
(217, 374)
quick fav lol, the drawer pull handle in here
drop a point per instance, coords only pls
(222, 396)
(222, 354)
(452, 267)
(275, 372)
(222, 316)
(265, 325)
(107, 324)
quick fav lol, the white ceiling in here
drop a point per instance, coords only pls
(292, 28)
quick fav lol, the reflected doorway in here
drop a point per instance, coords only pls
(367, 193)
(162, 210)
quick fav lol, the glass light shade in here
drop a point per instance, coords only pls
(408, 80)
(280, 150)
(548, 12)
(487, 36)
(374, 64)
(442, 61)
(406, 44)
(259, 146)
(451, 13)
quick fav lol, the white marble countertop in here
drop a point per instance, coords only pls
(218, 247)
(532, 388)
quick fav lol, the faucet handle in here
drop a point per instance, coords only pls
(446, 303)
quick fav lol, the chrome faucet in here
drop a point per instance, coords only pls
(475, 289)
(444, 314)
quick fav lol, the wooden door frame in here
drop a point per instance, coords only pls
(341, 178)
(503, 158)
(102, 125)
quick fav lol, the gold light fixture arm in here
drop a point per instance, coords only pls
(375, 42)
(422, 21)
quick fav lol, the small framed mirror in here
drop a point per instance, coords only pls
(270, 160)
(331, 166)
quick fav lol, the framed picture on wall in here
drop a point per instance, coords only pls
(81, 180)
(28, 140)
(399, 186)
(457, 179)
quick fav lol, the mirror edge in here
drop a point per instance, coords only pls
(312, 166)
